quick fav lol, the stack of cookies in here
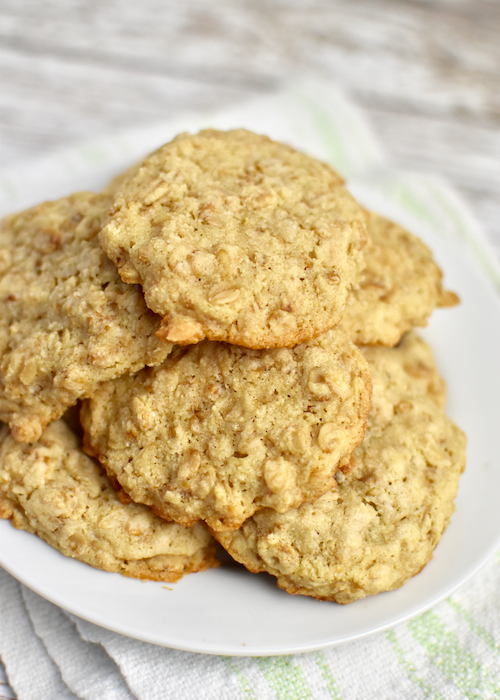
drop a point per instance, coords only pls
(239, 332)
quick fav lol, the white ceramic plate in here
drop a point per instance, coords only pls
(229, 611)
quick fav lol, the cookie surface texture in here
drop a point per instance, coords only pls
(52, 488)
(399, 288)
(219, 431)
(408, 371)
(379, 527)
(68, 321)
(237, 238)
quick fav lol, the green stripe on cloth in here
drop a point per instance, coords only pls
(475, 626)
(430, 203)
(327, 676)
(412, 202)
(484, 256)
(410, 670)
(333, 142)
(345, 136)
(285, 679)
(453, 661)
(242, 681)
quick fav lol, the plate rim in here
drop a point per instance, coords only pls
(416, 610)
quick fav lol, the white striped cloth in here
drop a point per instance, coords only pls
(451, 652)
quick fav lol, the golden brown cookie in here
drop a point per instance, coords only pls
(399, 288)
(67, 321)
(237, 238)
(219, 431)
(407, 370)
(53, 489)
(381, 524)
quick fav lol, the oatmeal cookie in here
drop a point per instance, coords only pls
(53, 489)
(399, 288)
(237, 238)
(408, 370)
(219, 431)
(379, 527)
(67, 321)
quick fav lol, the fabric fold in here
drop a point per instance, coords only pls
(31, 672)
(85, 667)
(155, 673)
